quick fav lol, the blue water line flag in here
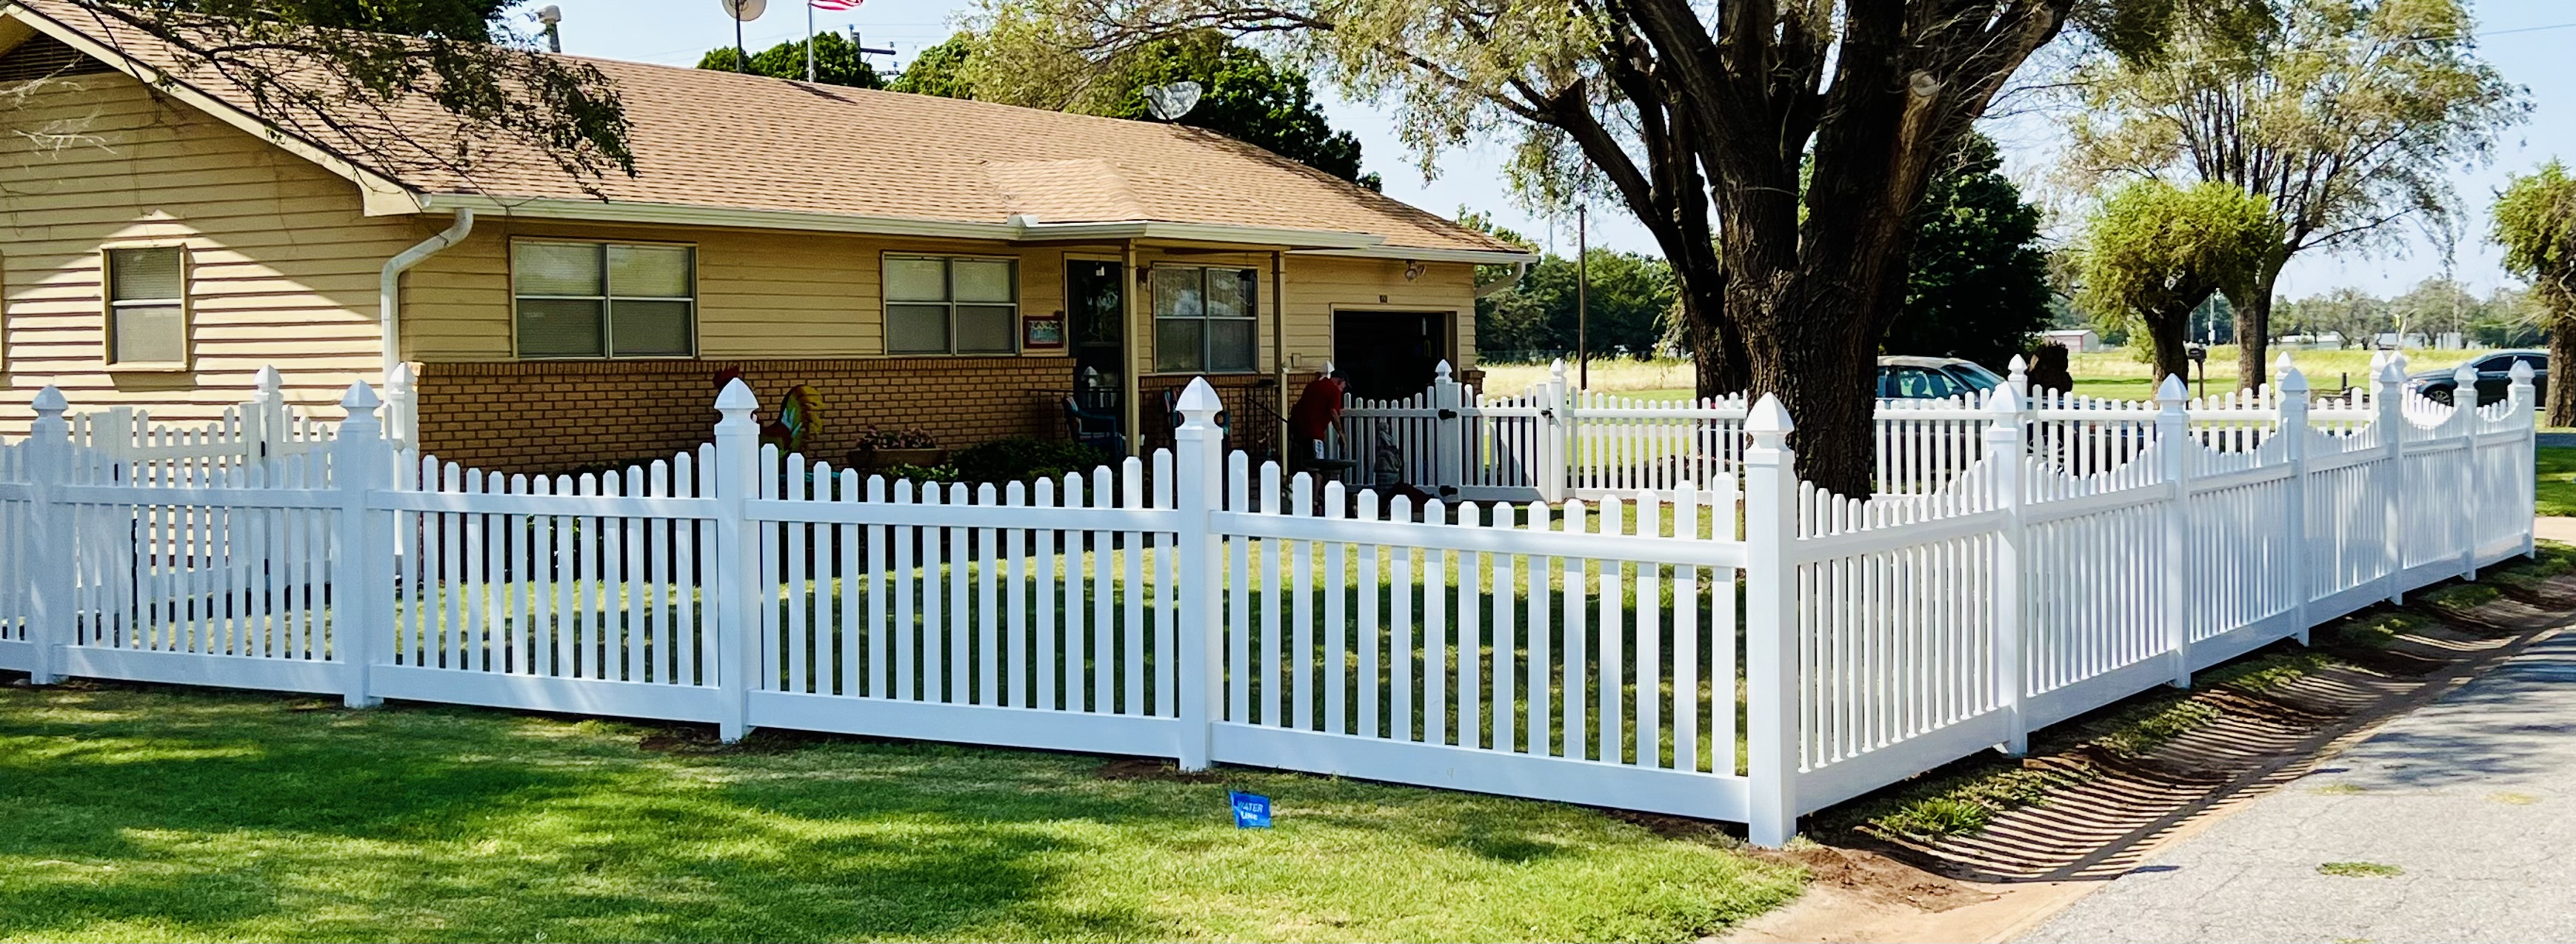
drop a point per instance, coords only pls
(1251, 810)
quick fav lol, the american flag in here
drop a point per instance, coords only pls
(836, 4)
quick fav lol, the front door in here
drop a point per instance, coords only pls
(1096, 306)
(1383, 355)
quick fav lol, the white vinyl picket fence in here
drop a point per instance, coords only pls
(1553, 442)
(1192, 605)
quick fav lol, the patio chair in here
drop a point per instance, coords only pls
(1096, 429)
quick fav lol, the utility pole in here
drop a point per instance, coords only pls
(1582, 300)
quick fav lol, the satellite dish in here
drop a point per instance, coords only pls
(1170, 102)
(744, 10)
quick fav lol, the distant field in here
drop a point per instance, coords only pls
(2117, 373)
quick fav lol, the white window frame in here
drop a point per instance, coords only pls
(109, 303)
(1155, 319)
(607, 299)
(886, 302)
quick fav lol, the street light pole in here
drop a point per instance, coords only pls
(1582, 301)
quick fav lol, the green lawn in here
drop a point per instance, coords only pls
(2555, 494)
(141, 813)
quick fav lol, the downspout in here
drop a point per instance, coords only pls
(389, 286)
(389, 312)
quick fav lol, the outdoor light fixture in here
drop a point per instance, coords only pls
(1413, 269)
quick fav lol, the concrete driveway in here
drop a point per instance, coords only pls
(2454, 823)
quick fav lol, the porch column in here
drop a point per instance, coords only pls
(1279, 340)
(1140, 338)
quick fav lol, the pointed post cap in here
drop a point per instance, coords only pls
(2521, 370)
(49, 402)
(736, 398)
(2018, 365)
(1328, 369)
(2293, 380)
(1557, 368)
(402, 376)
(267, 379)
(360, 400)
(1199, 404)
(2003, 399)
(1769, 422)
(2282, 362)
(2172, 392)
(2392, 372)
(2466, 376)
(1441, 372)
(2378, 359)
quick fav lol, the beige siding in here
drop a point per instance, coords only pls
(283, 262)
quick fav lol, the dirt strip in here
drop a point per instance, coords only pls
(2105, 809)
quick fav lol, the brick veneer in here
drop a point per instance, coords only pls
(532, 416)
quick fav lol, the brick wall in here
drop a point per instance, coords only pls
(533, 416)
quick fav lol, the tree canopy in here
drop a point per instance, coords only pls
(2347, 115)
(2535, 221)
(1977, 283)
(1627, 300)
(332, 71)
(2151, 252)
(836, 62)
(1700, 118)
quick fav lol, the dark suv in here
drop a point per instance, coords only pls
(2437, 385)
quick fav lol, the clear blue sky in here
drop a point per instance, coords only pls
(2527, 39)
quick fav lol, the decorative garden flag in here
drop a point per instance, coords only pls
(1251, 810)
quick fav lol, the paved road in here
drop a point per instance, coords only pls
(2472, 798)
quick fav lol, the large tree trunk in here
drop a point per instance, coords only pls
(2254, 325)
(2170, 333)
(2561, 408)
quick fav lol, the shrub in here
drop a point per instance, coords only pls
(1021, 459)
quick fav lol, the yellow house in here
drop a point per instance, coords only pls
(955, 267)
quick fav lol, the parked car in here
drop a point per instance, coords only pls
(2438, 385)
(1931, 378)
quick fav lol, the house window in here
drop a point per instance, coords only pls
(951, 305)
(604, 299)
(1205, 319)
(147, 306)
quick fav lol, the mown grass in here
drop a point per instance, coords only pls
(191, 814)
(2555, 494)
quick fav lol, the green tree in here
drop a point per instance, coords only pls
(1627, 298)
(2434, 307)
(1977, 282)
(836, 62)
(939, 70)
(2348, 115)
(1701, 118)
(346, 75)
(2507, 317)
(2152, 252)
(2535, 222)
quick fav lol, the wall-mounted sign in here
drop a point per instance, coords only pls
(1042, 331)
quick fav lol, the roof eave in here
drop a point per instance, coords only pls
(1428, 254)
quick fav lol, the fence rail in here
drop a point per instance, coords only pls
(2034, 561)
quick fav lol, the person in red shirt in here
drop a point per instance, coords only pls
(1318, 408)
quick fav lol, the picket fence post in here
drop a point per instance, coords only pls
(402, 408)
(2175, 451)
(51, 549)
(2391, 400)
(2293, 395)
(363, 548)
(263, 419)
(2526, 405)
(2464, 423)
(1771, 625)
(1199, 470)
(1556, 437)
(1449, 436)
(2019, 376)
(2003, 448)
(735, 480)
